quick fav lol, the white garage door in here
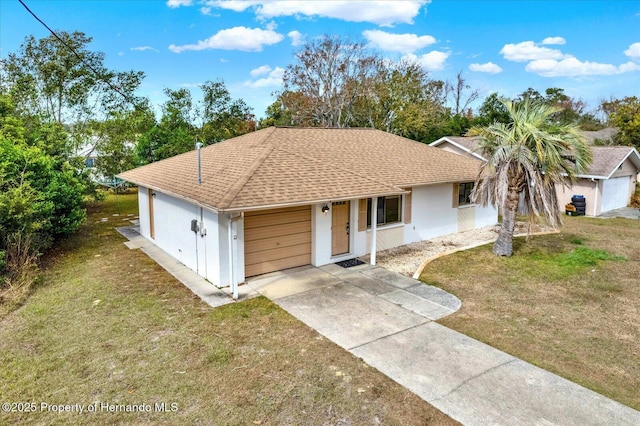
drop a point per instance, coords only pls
(615, 193)
(276, 239)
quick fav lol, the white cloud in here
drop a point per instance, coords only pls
(143, 48)
(237, 38)
(489, 67)
(381, 12)
(273, 79)
(554, 40)
(528, 51)
(260, 70)
(235, 5)
(572, 67)
(297, 38)
(405, 43)
(633, 51)
(178, 3)
(553, 63)
(432, 61)
(628, 67)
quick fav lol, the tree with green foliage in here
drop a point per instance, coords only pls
(492, 110)
(174, 134)
(340, 83)
(216, 118)
(276, 115)
(222, 116)
(403, 101)
(569, 110)
(625, 115)
(115, 139)
(526, 158)
(50, 83)
(41, 197)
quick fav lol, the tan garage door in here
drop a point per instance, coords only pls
(276, 239)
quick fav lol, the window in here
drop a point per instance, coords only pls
(464, 193)
(389, 210)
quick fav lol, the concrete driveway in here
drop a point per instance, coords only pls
(626, 212)
(388, 320)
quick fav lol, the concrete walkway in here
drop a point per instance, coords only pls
(208, 292)
(387, 320)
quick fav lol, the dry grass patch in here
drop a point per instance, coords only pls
(106, 324)
(566, 302)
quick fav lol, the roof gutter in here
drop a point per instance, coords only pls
(310, 202)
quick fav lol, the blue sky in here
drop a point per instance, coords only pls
(589, 48)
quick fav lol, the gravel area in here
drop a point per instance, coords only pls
(407, 259)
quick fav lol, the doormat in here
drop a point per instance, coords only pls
(349, 263)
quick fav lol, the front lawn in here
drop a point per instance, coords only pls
(109, 330)
(565, 302)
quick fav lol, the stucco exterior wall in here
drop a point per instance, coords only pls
(433, 213)
(485, 216)
(584, 187)
(320, 236)
(172, 233)
(466, 218)
(386, 237)
(626, 169)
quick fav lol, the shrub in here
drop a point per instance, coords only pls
(635, 198)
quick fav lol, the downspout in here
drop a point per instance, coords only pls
(374, 226)
(595, 202)
(233, 284)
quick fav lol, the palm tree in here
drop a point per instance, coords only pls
(525, 159)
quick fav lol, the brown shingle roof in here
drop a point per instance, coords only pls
(607, 159)
(288, 166)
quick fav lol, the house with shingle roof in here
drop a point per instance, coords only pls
(607, 185)
(284, 197)
(462, 145)
(610, 181)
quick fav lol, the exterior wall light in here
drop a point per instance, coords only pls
(325, 208)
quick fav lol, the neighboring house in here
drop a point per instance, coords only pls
(284, 197)
(463, 145)
(88, 153)
(603, 136)
(607, 185)
(610, 181)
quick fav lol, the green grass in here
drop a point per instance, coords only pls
(107, 324)
(566, 302)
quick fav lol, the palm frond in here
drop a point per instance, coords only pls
(529, 155)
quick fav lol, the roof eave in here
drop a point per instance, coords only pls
(457, 145)
(635, 160)
(173, 194)
(311, 202)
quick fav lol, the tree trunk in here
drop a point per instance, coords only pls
(504, 244)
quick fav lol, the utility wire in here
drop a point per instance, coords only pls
(88, 65)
